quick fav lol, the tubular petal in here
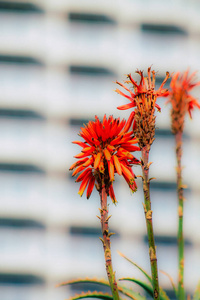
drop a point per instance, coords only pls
(126, 106)
(112, 194)
(88, 149)
(83, 174)
(90, 186)
(117, 165)
(111, 170)
(97, 160)
(88, 162)
(79, 169)
(107, 154)
(77, 163)
(84, 184)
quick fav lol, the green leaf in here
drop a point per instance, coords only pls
(95, 294)
(148, 288)
(85, 280)
(163, 295)
(197, 292)
(130, 293)
(123, 290)
(133, 263)
(143, 284)
(172, 282)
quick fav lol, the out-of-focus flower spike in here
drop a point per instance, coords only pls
(97, 160)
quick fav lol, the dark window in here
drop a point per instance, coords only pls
(88, 70)
(22, 168)
(85, 287)
(78, 122)
(21, 223)
(19, 7)
(87, 231)
(163, 133)
(166, 240)
(20, 114)
(159, 81)
(23, 60)
(20, 279)
(90, 18)
(163, 186)
(162, 29)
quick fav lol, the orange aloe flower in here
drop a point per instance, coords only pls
(181, 99)
(143, 100)
(106, 150)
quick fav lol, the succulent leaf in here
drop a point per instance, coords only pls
(197, 292)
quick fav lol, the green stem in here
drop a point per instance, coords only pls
(106, 244)
(149, 224)
(181, 290)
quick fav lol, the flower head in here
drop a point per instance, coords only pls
(181, 99)
(143, 99)
(143, 90)
(106, 150)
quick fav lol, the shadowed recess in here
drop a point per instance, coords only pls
(22, 60)
(21, 223)
(85, 287)
(20, 279)
(87, 231)
(90, 70)
(162, 29)
(20, 114)
(20, 7)
(166, 240)
(21, 168)
(90, 18)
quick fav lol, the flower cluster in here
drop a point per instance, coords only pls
(106, 150)
(143, 99)
(181, 99)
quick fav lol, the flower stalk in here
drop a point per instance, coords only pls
(149, 224)
(181, 290)
(143, 99)
(106, 243)
(181, 102)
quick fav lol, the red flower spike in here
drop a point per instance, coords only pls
(146, 86)
(99, 160)
(143, 101)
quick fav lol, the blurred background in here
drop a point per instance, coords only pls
(59, 60)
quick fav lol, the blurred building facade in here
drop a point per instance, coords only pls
(58, 64)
